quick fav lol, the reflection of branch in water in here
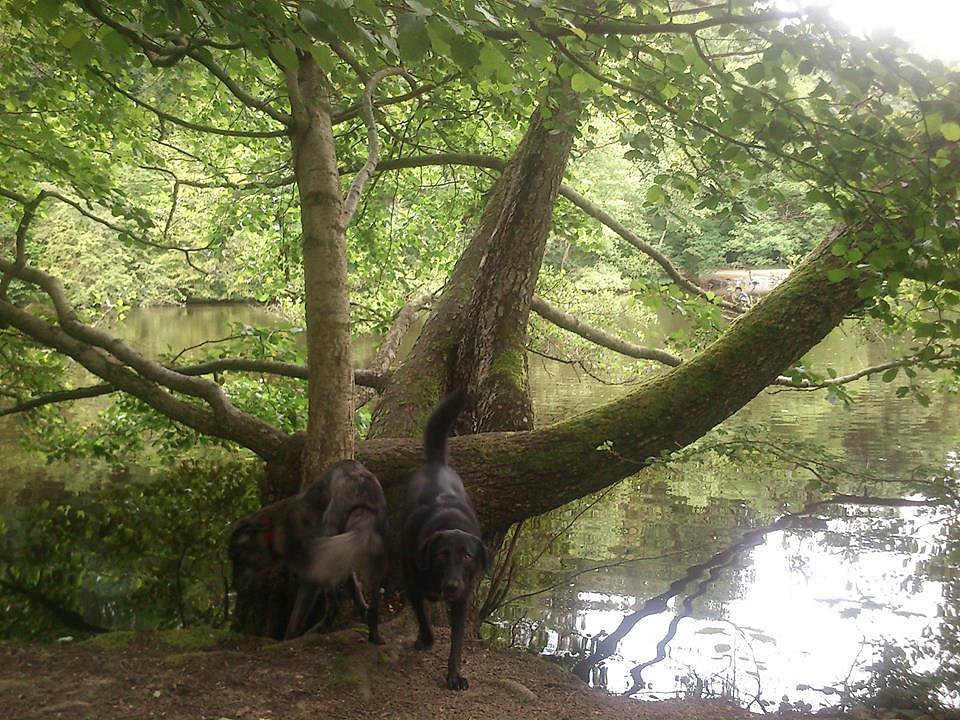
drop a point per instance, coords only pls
(565, 580)
(711, 568)
(686, 609)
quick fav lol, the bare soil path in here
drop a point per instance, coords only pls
(201, 674)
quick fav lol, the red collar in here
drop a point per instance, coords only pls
(266, 533)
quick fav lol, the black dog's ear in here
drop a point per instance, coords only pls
(484, 555)
(425, 552)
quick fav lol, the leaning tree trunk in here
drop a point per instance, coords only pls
(491, 358)
(516, 475)
(330, 430)
(476, 333)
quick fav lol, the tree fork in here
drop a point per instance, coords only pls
(516, 475)
(521, 224)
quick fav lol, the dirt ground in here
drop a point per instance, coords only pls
(181, 675)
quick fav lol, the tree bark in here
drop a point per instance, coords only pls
(491, 359)
(475, 335)
(330, 431)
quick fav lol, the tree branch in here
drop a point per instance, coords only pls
(368, 379)
(221, 420)
(390, 345)
(68, 617)
(20, 258)
(87, 345)
(610, 27)
(169, 55)
(658, 257)
(137, 238)
(516, 475)
(244, 96)
(186, 123)
(355, 110)
(373, 144)
(597, 336)
(577, 199)
(600, 337)
(791, 384)
(59, 396)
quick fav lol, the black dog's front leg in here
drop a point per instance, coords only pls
(458, 624)
(425, 632)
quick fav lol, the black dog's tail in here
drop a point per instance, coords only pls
(440, 424)
(332, 559)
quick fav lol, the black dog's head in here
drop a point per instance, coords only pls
(451, 558)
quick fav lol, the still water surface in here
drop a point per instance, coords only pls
(799, 613)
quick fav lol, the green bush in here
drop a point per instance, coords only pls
(126, 554)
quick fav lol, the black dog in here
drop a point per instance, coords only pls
(331, 531)
(442, 546)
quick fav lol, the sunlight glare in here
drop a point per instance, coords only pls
(929, 26)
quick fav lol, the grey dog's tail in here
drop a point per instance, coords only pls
(440, 424)
(331, 560)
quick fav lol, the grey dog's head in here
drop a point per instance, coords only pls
(451, 558)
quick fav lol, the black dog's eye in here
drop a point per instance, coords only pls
(467, 556)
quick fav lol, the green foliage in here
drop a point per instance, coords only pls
(125, 554)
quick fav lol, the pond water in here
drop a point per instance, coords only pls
(798, 612)
(804, 610)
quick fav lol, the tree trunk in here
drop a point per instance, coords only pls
(491, 359)
(476, 332)
(517, 475)
(330, 431)
(264, 606)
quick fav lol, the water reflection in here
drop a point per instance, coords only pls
(800, 615)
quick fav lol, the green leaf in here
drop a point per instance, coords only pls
(655, 194)
(313, 24)
(837, 274)
(493, 63)
(323, 57)
(951, 131)
(754, 74)
(47, 10)
(419, 8)
(412, 37)
(71, 36)
(115, 43)
(854, 255)
(466, 54)
(83, 52)
(442, 38)
(581, 82)
(284, 54)
(890, 375)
